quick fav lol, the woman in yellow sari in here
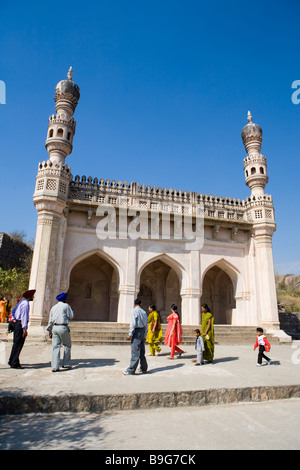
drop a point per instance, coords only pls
(154, 335)
(207, 333)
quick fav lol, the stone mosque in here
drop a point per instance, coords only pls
(107, 242)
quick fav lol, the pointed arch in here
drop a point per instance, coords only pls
(232, 271)
(174, 264)
(101, 254)
(164, 277)
(93, 287)
(219, 285)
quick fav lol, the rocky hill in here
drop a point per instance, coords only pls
(288, 292)
(288, 280)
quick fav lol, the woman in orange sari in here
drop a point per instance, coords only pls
(174, 332)
(3, 310)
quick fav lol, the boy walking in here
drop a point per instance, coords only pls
(199, 346)
(263, 345)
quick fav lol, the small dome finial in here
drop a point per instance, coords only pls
(249, 117)
(70, 74)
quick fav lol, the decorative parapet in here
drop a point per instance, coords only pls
(53, 119)
(52, 180)
(260, 208)
(95, 192)
(254, 158)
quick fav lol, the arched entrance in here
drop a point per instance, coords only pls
(218, 294)
(93, 291)
(159, 285)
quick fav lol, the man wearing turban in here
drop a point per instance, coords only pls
(59, 331)
(20, 318)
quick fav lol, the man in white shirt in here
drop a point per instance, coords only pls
(60, 315)
(137, 334)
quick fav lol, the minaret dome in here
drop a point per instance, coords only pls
(61, 128)
(255, 164)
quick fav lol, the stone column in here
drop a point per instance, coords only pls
(129, 290)
(45, 273)
(190, 306)
(264, 267)
(50, 199)
(261, 211)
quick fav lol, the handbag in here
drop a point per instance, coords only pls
(11, 327)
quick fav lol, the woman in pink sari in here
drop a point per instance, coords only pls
(174, 333)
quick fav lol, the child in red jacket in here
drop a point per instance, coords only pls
(263, 345)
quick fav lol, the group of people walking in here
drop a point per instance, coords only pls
(58, 329)
(142, 328)
(148, 328)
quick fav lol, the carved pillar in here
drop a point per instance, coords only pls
(50, 198)
(128, 290)
(45, 273)
(264, 267)
(191, 294)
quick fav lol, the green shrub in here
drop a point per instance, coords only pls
(13, 282)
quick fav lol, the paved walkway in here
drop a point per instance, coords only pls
(272, 425)
(98, 370)
(241, 420)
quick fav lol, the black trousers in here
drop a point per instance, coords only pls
(261, 355)
(18, 344)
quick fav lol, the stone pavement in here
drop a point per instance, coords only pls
(96, 383)
(269, 425)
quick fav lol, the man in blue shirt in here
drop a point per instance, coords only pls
(137, 334)
(20, 318)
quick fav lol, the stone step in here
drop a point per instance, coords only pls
(123, 328)
(97, 333)
(90, 333)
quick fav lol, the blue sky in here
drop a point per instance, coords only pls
(165, 90)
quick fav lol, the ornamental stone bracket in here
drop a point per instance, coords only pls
(128, 289)
(49, 206)
(264, 231)
(215, 230)
(89, 217)
(234, 231)
(243, 295)
(191, 293)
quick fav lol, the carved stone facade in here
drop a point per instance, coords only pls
(107, 242)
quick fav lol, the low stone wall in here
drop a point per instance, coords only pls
(290, 324)
(75, 403)
(12, 251)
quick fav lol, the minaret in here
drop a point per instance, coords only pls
(260, 212)
(255, 164)
(61, 128)
(50, 199)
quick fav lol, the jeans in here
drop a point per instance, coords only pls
(60, 336)
(138, 351)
